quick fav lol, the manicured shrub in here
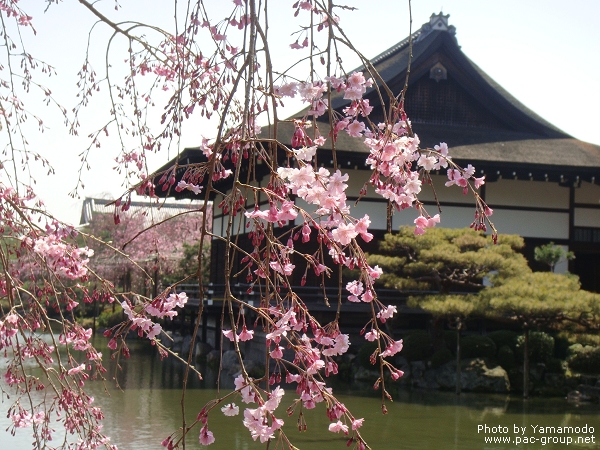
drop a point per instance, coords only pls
(584, 339)
(585, 359)
(504, 337)
(541, 346)
(108, 318)
(441, 357)
(477, 347)
(506, 357)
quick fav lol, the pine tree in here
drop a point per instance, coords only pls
(447, 261)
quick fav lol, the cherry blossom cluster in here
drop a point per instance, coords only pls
(395, 157)
(8, 329)
(62, 257)
(10, 8)
(79, 411)
(43, 268)
(62, 387)
(160, 307)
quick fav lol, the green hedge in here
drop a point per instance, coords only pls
(108, 319)
(504, 337)
(450, 340)
(555, 365)
(418, 346)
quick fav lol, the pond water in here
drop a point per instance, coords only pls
(148, 409)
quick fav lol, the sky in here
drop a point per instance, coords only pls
(544, 52)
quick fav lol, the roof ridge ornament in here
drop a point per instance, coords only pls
(437, 22)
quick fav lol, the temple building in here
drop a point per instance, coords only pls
(541, 183)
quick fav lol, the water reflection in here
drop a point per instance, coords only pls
(149, 408)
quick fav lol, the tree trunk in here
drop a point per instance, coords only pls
(526, 365)
(458, 376)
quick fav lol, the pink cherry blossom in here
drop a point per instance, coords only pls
(287, 90)
(229, 334)
(287, 212)
(357, 423)
(469, 171)
(421, 222)
(374, 272)
(387, 313)
(355, 128)
(372, 335)
(427, 162)
(478, 182)
(76, 370)
(337, 427)
(355, 288)
(206, 437)
(306, 153)
(392, 349)
(230, 410)
(341, 345)
(274, 399)
(246, 335)
(432, 221)
(442, 148)
(277, 353)
(344, 233)
(285, 269)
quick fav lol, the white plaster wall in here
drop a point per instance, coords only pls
(538, 194)
(377, 212)
(305, 206)
(587, 217)
(451, 216)
(548, 225)
(588, 193)
(218, 226)
(356, 180)
(452, 194)
(562, 266)
(238, 225)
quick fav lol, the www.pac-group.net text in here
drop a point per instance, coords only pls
(536, 434)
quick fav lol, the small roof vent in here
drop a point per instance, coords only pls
(438, 72)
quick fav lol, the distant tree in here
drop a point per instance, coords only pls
(147, 250)
(539, 299)
(188, 263)
(446, 260)
(551, 255)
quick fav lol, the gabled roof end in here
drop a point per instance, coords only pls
(437, 22)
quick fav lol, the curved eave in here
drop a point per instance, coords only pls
(563, 160)
(479, 144)
(187, 157)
